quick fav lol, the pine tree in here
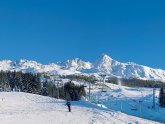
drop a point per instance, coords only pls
(44, 90)
(73, 92)
(51, 89)
(162, 97)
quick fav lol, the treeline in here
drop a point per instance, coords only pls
(78, 77)
(18, 81)
(31, 83)
(130, 82)
(162, 97)
(133, 82)
(69, 91)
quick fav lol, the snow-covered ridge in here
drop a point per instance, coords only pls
(104, 64)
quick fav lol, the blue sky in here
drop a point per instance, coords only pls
(50, 30)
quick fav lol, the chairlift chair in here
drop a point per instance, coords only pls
(104, 91)
(134, 109)
(84, 85)
(90, 88)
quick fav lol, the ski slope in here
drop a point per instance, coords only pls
(132, 101)
(23, 108)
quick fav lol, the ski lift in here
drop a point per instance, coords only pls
(104, 91)
(84, 85)
(90, 88)
(134, 108)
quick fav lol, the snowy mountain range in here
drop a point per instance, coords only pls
(104, 64)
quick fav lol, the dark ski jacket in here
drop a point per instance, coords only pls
(68, 103)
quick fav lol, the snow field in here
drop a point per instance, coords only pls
(23, 108)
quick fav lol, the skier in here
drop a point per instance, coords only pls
(69, 105)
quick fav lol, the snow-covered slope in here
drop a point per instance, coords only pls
(23, 108)
(133, 101)
(104, 64)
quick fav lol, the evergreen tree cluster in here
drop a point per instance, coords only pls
(130, 82)
(69, 91)
(133, 82)
(18, 81)
(30, 83)
(162, 97)
(44, 90)
(81, 77)
(73, 92)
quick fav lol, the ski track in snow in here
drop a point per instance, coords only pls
(24, 108)
(130, 97)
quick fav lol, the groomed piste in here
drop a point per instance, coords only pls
(24, 108)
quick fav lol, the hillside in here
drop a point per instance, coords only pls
(132, 101)
(23, 108)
